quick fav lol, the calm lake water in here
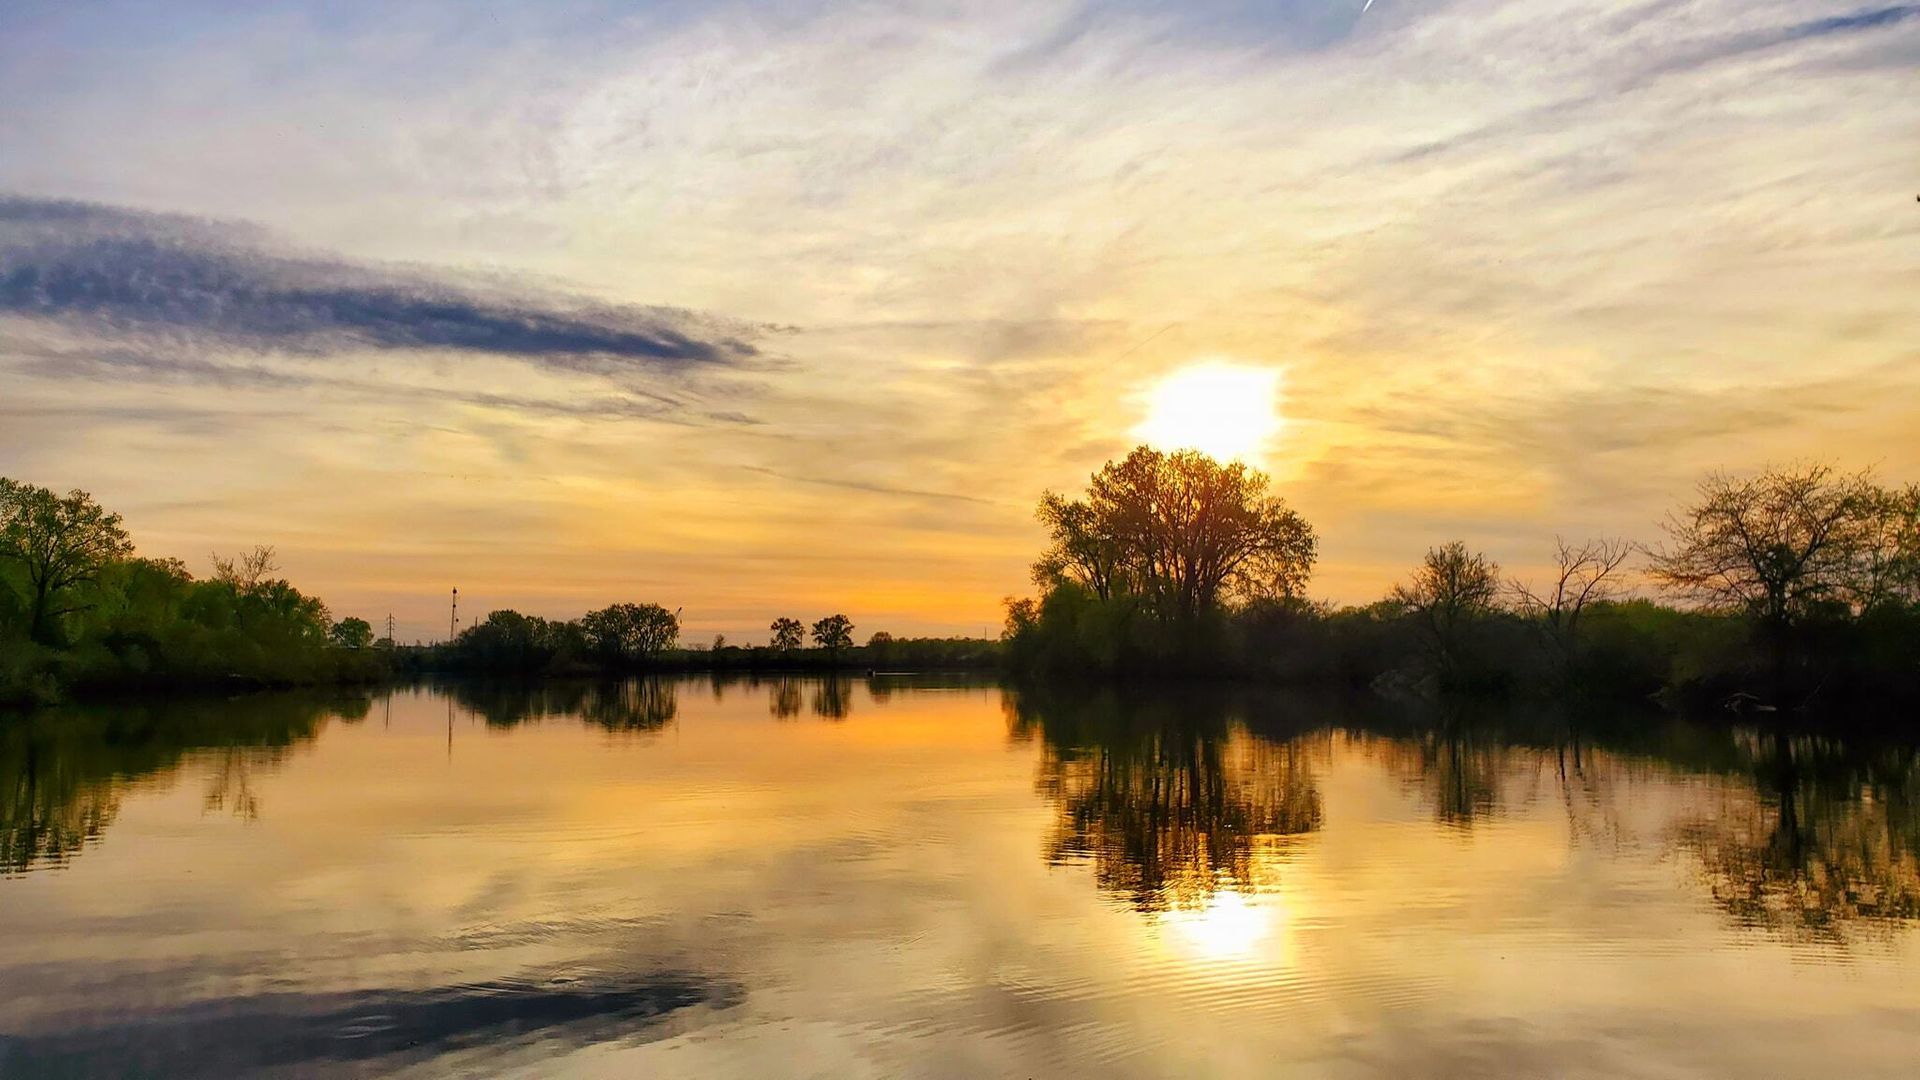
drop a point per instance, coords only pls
(899, 877)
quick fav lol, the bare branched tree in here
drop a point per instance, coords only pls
(246, 571)
(1779, 546)
(1585, 574)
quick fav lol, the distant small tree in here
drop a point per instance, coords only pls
(787, 634)
(833, 633)
(630, 631)
(62, 543)
(719, 642)
(1587, 574)
(351, 633)
(1452, 589)
(880, 639)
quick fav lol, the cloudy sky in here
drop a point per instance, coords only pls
(798, 308)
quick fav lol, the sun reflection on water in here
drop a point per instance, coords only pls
(1229, 927)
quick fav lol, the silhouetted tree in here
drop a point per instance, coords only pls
(1084, 547)
(1181, 531)
(1587, 574)
(61, 543)
(1452, 588)
(1780, 546)
(627, 632)
(787, 633)
(833, 633)
(351, 633)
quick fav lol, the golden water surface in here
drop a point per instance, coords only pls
(904, 877)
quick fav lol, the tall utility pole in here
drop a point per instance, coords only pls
(453, 617)
(391, 640)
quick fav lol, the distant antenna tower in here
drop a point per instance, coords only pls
(391, 640)
(453, 617)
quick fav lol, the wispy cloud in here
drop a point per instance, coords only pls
(1529, 263)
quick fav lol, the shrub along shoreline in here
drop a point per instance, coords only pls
(1800, 586)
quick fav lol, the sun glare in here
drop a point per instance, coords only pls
(1228, 928)
(1222, 409)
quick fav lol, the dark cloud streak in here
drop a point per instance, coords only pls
(116, 272)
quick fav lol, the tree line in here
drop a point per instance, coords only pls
(79, 610)
(624, 638)
(1782, 588)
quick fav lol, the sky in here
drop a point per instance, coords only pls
(795, 309)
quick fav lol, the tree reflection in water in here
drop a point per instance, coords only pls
(783, 698)
(833, 697)
(64, 771)
(630, 705)
(1174, 799)
(1170, 799)
(1824, 845)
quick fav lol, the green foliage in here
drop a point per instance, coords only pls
(60, 545)
(508, 641)
(79, 611)
(351, 633)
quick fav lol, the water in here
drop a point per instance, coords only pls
(896, 877)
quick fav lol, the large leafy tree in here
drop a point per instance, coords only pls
(351, 633)
(631, 631)
(61, 543)
(833, 633)
(1179, 530)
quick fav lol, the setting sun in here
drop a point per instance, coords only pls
(1222, 409)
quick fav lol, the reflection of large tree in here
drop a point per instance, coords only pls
(1169, 800)
(1814, 838)
(1825, 842)
(833, 697)
(625, 705)
(63, 772)
(633, 705)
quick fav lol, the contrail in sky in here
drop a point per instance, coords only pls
(1365, 6)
